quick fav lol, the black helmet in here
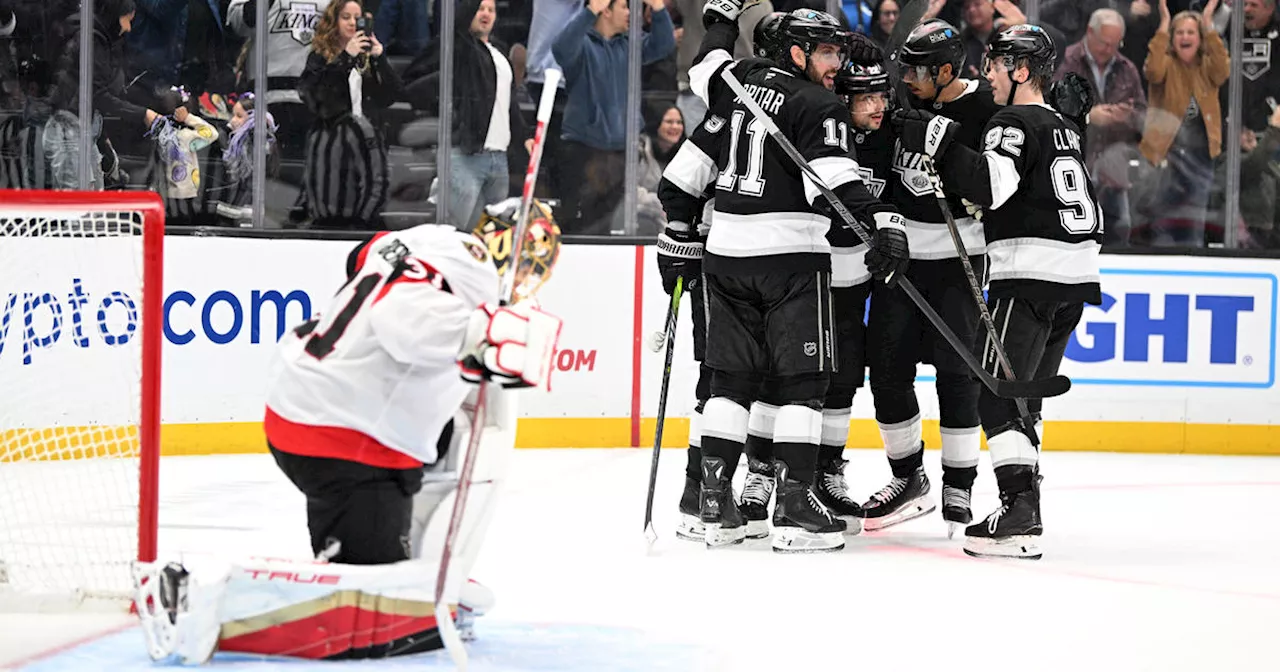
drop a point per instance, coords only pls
(1023, 44)
(933, 44)
(854, 79)
(767, 36)
(807, 28)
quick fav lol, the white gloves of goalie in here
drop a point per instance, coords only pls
(509, 345)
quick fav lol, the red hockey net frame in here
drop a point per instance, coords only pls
(149, 211)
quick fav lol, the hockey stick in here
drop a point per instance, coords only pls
(1032, 389)
(444, 619)
(975, 289)
(672, 311)
(909, 16)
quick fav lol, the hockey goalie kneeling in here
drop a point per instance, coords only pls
(368, 413)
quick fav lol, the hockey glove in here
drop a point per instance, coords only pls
(679, 254)
(509, 345)
(863, 51)
(924, 132)
(725, 10)
(889, 253)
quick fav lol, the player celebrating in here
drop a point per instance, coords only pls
(1043, 233)
(359, 400)
(866, 90)
(687, 185)
(687, 193)
(931, 58)
(768, 264)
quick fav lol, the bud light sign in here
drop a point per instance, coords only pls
(1177, 328)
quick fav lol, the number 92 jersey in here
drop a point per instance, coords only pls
(374, 378)
(1043, 225)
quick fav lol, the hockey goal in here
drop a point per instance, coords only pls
(81, 315)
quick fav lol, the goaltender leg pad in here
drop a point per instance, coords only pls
(496, 447)
(313, 610)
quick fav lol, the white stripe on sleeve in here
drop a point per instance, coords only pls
(834, 171)
(1004, 178)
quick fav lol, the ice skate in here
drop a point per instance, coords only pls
(955, 508)
(903, 499)
(1013, 530)
(801, 524)
(833, 492)
(721, 519)
(757, 490)
(690, 527)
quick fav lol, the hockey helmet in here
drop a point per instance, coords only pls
(807, 28)
(854, 79)
(538, 251)
(767, 36)
(931, 45)
(1022, 44)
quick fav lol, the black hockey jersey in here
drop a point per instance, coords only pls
(1043, 225)
(688, 181)
(768, 216)
(1260, 65)
(874, 153)
(913, 191)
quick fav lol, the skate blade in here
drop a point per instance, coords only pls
(1021, 547)
(798, 540)
(910, 511)
(717, 536)
(854, 524)
(952, 528)
(757, 529)
(691, 528)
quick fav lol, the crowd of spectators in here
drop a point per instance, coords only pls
(355, 97)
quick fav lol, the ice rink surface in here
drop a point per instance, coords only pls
(1152, 562)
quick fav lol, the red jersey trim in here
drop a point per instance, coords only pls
(336, 443)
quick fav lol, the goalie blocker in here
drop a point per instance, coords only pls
(353, 397)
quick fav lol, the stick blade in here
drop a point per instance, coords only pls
(449, 635)
(1033, 389)
(650, 535)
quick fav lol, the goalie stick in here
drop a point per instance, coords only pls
(672, 311)
(1007, 389)
(449, 634)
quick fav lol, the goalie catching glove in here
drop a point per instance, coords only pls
(509, 345)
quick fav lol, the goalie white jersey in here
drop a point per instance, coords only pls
(374, 378)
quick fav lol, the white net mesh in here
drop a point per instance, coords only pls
(70, 403)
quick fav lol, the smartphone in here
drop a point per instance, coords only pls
(364, 24)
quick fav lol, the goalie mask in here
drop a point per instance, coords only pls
(538, 251)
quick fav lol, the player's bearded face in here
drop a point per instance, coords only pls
(868, 110)
(823, 65)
